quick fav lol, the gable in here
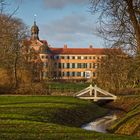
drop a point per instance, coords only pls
(36, 44)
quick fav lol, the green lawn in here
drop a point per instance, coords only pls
(49, 118)
(65, 87)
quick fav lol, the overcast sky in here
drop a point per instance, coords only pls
(60, 21)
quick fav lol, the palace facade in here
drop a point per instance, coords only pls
(61, 63)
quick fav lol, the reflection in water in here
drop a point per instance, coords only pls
(101, 124)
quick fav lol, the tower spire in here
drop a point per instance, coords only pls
(34, 30)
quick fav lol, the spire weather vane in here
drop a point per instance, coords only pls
(35, 17)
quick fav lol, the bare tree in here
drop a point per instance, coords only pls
(12, 32)
(113, 73)
(134, 72)
(119, 22)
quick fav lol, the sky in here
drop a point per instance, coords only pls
(60, 21)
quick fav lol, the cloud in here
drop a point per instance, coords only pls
(58, 4)
(71, 28)
(70, 24)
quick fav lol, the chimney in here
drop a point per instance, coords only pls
(90, 46)
(65, 46)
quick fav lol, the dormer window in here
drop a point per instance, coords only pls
(43, 57)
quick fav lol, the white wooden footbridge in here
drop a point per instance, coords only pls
(95, 93)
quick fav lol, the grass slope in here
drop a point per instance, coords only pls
(49, 118)
(130, 123)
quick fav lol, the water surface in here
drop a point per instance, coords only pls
(100, 124)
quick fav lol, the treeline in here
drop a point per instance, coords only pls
(119, 25)
(14, 69)
(119, 71)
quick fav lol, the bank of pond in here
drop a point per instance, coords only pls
(51, 118)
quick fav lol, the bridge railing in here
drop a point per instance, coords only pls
(82, 92)
(93, 94)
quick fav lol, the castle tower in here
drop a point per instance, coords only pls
(34, 32)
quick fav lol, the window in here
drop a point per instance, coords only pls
(68, 74)
(56, 57)
(42, 56)
(59, 65)
(46, 57)
(94, 57)
(73, 74)
(85, 65)
(85, 57)
(83, 74)
(79, 57)
(73, 57)
(94, 65)
(62, 65)
(78, 74)
(73, 65)
(68, 65)
(79, 65)
(90, 57)
(62, 57)
(94, 74)
(68, 57)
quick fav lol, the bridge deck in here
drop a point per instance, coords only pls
(97, 98)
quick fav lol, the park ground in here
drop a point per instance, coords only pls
(51, 118)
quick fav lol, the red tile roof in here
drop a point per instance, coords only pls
(76, 51)
(97, 51)
(44, 42)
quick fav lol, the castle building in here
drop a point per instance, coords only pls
(61, 63)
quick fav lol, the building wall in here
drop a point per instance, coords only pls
(71, 66)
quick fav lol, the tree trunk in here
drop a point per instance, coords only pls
(15, 71)
(135, 22)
